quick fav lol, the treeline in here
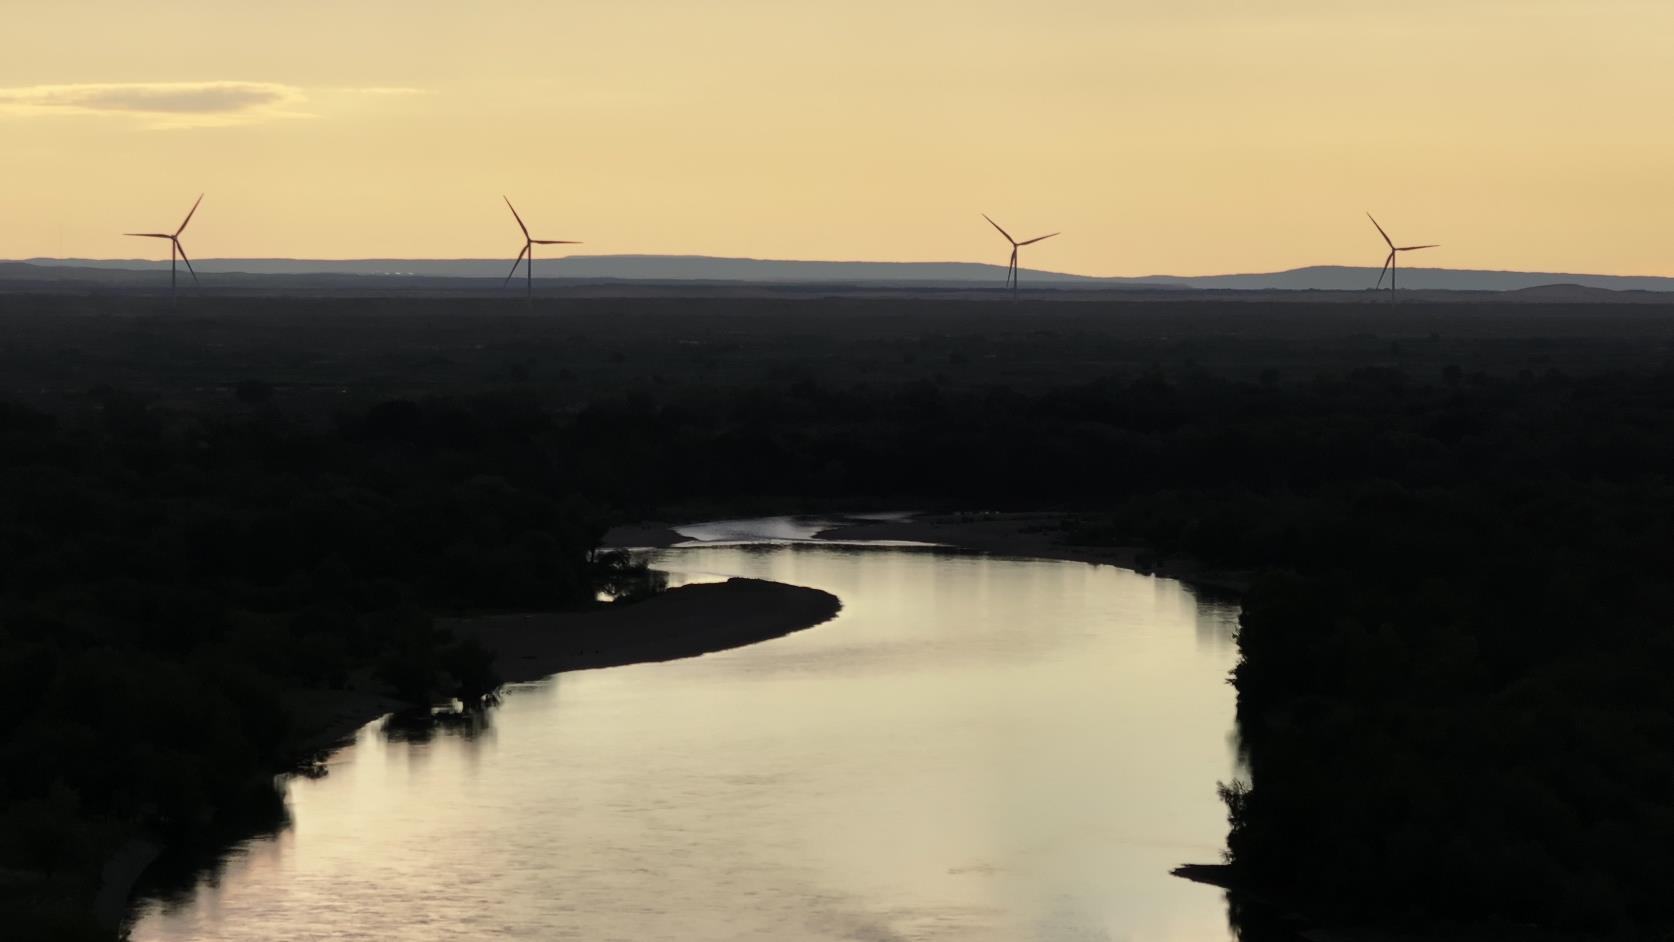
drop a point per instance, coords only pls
(1449, 690)
(165, 578)
(1453, 690)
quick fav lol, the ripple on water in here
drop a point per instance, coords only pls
(976, 748)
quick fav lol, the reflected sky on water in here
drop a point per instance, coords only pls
(976, 748)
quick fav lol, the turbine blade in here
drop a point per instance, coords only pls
(189, 219)
(1386, 263)
(188, 261)
(515, 216)
(1380, 231)
(149, 235)
(554, 242)
(1002, 231)
(1414, 248)
(516, 262)
(1040, 238)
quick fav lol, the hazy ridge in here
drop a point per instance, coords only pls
(678, 268)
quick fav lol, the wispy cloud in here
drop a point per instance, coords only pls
(163, 104)
(168, 103)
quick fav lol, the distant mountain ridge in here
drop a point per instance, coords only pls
(1351, 278)
(678, 268)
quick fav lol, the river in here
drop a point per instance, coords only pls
(976, 748)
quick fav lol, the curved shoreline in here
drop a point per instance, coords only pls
(683, 622)
(687, 621)
(1030, 535)
(695, 619)
(1034, 535)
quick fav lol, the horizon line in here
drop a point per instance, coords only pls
(820, 261)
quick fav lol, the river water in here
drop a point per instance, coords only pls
(976, 748)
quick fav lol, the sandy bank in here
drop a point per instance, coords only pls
(1036, 535)
(682, 622)
(642, 536)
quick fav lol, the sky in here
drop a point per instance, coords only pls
(1160, 136)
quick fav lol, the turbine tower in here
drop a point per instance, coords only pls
(1389, 263)
(1011, 269)
(175, 249)
(529, 244)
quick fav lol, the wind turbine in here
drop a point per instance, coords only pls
(1389, 263)
(175, 248)
(529, 244)
(1011, 269)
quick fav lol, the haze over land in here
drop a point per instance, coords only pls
(1160, 137)
(697, 268)
(340, 463)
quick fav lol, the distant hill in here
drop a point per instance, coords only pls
(699, 268)
(1349, 278)
(610, 267)
(1564, 293)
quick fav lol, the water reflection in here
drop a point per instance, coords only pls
(758, 529)
(421, 726)
(976, 748)
(1253, 921)
(254, 822)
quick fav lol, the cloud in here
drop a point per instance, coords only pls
(165, 104)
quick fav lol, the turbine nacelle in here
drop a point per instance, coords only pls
(528, 250)
(1389, 260)
(175, 247)
(1011, 268)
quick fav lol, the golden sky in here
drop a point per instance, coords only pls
(1161, 136)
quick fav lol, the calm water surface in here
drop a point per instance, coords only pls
(977, 748)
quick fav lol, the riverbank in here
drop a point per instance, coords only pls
(682, 622)
(650, 534)
(763, 763)
(1039, 535)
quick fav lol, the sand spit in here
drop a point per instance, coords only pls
(642, 536)
(683, 622)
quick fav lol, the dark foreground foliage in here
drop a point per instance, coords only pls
(1453, 689)
(1452, 692)
(165, 578)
